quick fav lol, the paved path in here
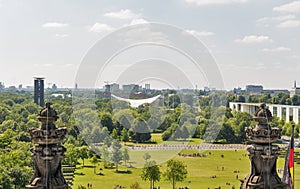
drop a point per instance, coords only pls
(192, 147)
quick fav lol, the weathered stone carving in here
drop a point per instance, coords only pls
(262, 153)
(47, 155)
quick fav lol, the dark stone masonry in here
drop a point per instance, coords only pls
(262, 153)
(47, 155)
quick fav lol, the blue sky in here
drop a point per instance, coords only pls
(252, 41)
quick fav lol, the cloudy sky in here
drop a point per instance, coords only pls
(252, 41)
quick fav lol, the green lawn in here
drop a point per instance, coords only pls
(199, 170)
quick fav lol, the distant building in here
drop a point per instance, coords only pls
(295, 90)
(131, 88)
(114, 87)
(254, 89)
(12, 88)
(147, 86)
(29, 88)
(109, 88)
(2, 86)
(237, 90)
(39, 91)
(54, 87)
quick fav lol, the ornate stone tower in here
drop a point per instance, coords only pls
(47, 155)
(262, 153)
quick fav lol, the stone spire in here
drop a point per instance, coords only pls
(262, 153)
(47, 155)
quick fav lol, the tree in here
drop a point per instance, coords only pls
(140, 131)
(105, 154)
(184, 132)
(83, 153)
(135, 186)
(19, 176)
(94, 161)
(124, 135)
(167, 134)
(240, 98)
(106, 121)
(174, 101)
(125, 155)
(176, 172)
(96, 135)
(146, 156)
(114, 134)
(151, 173)
(116, 155)
(72, 155)
(107, 141)
(5, 179)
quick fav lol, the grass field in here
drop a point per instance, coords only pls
(199, 171)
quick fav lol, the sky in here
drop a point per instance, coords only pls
(251, 41)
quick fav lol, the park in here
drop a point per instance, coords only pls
(219, 164)
(201, 170)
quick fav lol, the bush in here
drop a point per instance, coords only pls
(81, 187)
(135, 186)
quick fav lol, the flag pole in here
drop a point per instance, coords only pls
(293, 128)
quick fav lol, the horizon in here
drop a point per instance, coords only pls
(152, 88)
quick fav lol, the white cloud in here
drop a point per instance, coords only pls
(214, 2)
(254, 39)
(289, 24)
(54, 25)
(138, 21)
(61, 35)
(290, 7)
(278, 49)
(99, 27)
(200, 33)
(125, 14)
(277, 18)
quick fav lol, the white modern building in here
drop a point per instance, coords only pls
(291, 112)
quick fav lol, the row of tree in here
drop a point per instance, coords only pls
(176, 172)
(280, 98)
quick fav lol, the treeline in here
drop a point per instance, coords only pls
(280, 98)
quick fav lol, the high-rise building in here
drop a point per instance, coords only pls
(147, 86)
(39, 91)
(114, 87)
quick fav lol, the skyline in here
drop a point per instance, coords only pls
(253, 41)
(142, 85)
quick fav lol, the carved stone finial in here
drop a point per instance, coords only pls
(262, 153)
(48, 114)
(263, 115)
(48, 154)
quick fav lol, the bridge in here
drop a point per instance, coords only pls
(291, 112)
